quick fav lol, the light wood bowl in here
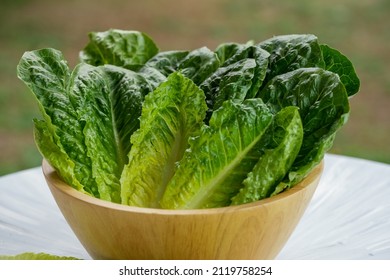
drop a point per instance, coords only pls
(257, 230)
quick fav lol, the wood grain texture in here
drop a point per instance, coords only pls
(257, 230)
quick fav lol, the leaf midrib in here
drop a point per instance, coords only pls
(222, 175)
(118, 143)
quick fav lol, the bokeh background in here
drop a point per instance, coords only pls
(359, 29)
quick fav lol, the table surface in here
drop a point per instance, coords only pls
(348, 217)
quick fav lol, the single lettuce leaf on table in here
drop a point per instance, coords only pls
(219, 158)
(36, 256)
(285, 139)
(171, 114)
(88, 117)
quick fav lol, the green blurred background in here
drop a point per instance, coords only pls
(359, 29)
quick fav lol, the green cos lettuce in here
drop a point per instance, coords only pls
(36, 256)
(188, 129)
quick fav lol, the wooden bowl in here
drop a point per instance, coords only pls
(257, 230)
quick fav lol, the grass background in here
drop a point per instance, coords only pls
(359, 29)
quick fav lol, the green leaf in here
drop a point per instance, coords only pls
(323, 107)
(199, 64)
(338, 63)
(220, 157)
(167, 62)
(196, 65)
(170, 115)
(286, 134)
(291, 52)
(88, 117)
(230, 82)
(162, 65)
(301, 169)
(260, 57)
(47, 75)
(227, 50)
(128, 49)
(49, 146)
(239, 78)
(36, 256)
(152, 75)
(109, 104)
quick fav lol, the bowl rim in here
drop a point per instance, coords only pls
(52, 176)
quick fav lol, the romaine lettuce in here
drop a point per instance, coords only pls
(220, 157)
(240, 76)
(189, 128)
(166, 62)
(36, 256)
(323, 107)
(89, 115)
(285, 139)
(249, 51)
(171, 114)
(291, 52)
(338, 63)
(59, 135)
(128, 49)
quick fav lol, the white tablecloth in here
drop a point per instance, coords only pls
(348, 217)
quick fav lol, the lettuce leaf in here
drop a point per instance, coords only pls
(88, 117)
(170, 116)
(47, 74)
(36, 256)
(226, 50)
(230, 82)
(167, 62)
(260, 57)
(128, 49)
(323, 106)
(136, 51)
(199, 64)
(239, 77)
(220, 157)
(291, 52)
(109, 102)
(50, 147)
(338, 63)
(286, 134)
